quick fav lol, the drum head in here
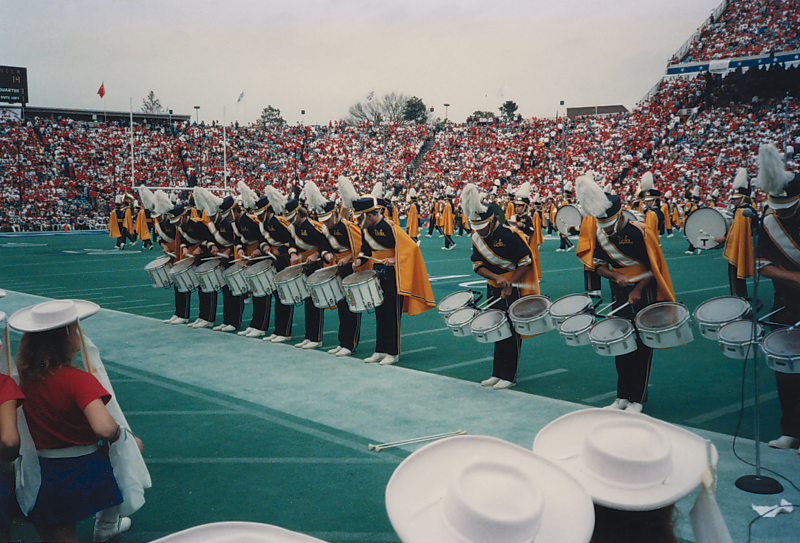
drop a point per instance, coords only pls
(662, 315)
(461, 316)
(529, 307)
(456, 300)
(289, 273)
(703, 226)
(320, 276)
(488, 319)
(722, 309)
(258, 267)
(570, 305)
(610, 329)
(568, 216)
(208, 266)
(359, 277)
(784, 343)
(236, 268)
(158, 262)
(740, 331)
(576, 323)
(184, 264)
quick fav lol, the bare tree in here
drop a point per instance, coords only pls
(151, 104)
(388, 108)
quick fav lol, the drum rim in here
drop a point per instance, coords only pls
(453, 295)
(319, 274)
(179, 266)
(588, 299)
(297, 272)
(354, 283)
(234, 268)
(625, 336)
(165, 259)
(749, 341)
(209, 265)
(701, 320)
(683, 320)
(782, 356)
(492, 328)
(516, 304)
(459, 325)
(592, 322)
(258, 267)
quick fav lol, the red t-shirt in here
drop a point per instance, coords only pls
(54, 408)
(9, 390)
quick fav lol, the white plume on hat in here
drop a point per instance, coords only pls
(740, 181)
(314, 197)
(276, 199)
(412, 193)
(347, 191)
(161, 202)
(204, 199)
(591, 197)
(377, 190)
(148, 199)
(471, 202)
(524, 191)
(646, 184)
(608, 188)
(696, 191)
(537, 199)
(568, 186)
(772, 175)
(248, 195)
(715, 193)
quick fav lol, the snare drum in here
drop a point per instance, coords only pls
(158, 271)
(184, 276)
(491, 326)
(234, 278)
(712, 314)
(613, 336)
(210, 275)
(261, 277)
(782, 349)
(737, 339)
(575, 329)
(363, 291)
(568, 217)
(455, 301)
(326, 287)
(291, 285)
(569, 305)
(664, 325)
(460, 321)
(705, 224)
(530, 316)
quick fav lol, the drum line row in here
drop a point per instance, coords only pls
(662, 325)
(362, 289)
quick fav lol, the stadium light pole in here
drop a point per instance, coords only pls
(197, 113)
(445, 112)
(563, 148)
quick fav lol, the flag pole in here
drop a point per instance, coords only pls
(224, 152)
(132, 165)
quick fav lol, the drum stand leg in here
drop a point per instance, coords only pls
(757, 484)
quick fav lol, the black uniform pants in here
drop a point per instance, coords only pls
(349, 322)
(183, 302)
(232, 307)
(387, 315)
(507, 351)
(633, 369)
(788, 384)
(208, 305)
(738, 286)
(261, 311)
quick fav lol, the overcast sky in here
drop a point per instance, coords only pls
(325, 55)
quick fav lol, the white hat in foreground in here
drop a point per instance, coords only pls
(626, 461)
(237, 532)
(2, 293)
(51, 315)
(481, 489)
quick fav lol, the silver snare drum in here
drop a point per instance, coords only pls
(569, 305)
(491, 326)
(613, 336)
(363, 291)
(455, 301)
(234, 278)
(291, 285)
(326, 287)
(737, 339)
(530, 315)
(664, 325)
(712, 314)
(782, 350)
(158, 271)
(261, 277)
(575, 329)
(184, 275)
(210, 275)
(460, 321)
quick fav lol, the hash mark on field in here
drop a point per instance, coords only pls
(541, 375)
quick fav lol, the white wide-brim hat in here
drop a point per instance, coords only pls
(2, 293)
(51, 315)
(479, 489)
(237, 532)
(627, 461)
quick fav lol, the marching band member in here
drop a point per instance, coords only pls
(566, 244)
(144, 227)
(222, 243)
(511, 205)
(693, 203)
(778, 258)
(403, 278)
(654, 217)
(412, 222)
(666, 212)
(523, 222)
(628, 255)
(502, 257)
(279, 241)
(739, 239)
(120, 222)
(193, 235)
(587, 237)
(448, 220)
(248, 227)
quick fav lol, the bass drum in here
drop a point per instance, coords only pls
(569, 217)
(705, 224)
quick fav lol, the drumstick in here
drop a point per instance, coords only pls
(393, 444)
(213, 258)
(523, 285)
(489, 303)
(370, 258)
(762, 319)
(617, 309)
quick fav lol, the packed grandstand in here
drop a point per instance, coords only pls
(61, 173)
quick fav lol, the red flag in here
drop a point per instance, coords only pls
(102, 90)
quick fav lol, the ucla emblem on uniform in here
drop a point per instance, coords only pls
(499, 243)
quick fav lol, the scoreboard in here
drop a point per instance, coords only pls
(13, 84)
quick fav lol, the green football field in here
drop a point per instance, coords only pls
(238, 429)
